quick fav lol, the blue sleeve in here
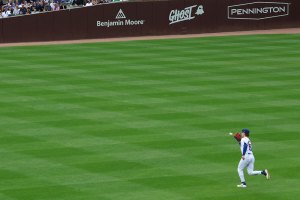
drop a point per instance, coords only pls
(245, 148)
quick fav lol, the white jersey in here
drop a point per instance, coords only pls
(246, 146)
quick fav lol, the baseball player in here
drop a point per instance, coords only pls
(247, 159)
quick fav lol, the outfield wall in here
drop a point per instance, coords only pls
(152, 18)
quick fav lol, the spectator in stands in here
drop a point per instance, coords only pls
(47, 7)
(4, 13)
(1, 4)
(28, 12)
(95, 2)
(8, 4)
(13, 7)
(63, 7)
(25, 4)
(33, 10)
(88, 3)
(9, 11)
(52, 4)
(33, 5)
(23, 10)
(40, 6)
(16, 10)
(56, 7)
(78, 2)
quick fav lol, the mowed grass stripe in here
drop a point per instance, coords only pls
(121, 121)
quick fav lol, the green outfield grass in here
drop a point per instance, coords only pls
(149, 120)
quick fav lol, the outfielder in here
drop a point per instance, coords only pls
(247, 159)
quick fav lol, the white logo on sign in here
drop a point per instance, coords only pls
(121, 15)
(200, 10)
(186, 14)
(258, 10)
(120, 20)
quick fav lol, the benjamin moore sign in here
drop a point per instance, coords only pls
(120, 20)
(258, 10)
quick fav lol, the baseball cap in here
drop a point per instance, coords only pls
(245, 130)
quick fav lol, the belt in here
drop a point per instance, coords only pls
(249, 153)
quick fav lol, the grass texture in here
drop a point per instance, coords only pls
(149, 120)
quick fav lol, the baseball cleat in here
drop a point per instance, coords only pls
(267, 174)
(242, 186)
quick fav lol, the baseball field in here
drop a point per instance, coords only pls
(149, 120)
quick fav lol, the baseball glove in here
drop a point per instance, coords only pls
(237, 136)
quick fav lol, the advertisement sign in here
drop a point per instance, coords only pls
(185, 14)
(258, 10)
(120, 20)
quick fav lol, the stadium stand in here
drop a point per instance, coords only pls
(22, 7)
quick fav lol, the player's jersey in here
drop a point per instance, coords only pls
(246, 146)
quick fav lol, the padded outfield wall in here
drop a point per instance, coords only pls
(152, 18)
